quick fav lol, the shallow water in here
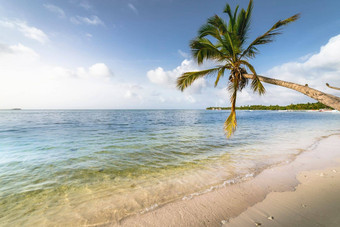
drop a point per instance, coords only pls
(83, 167)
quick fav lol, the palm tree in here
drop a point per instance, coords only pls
(229, 50)
(226, 44)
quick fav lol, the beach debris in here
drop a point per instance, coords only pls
(270, 218)
(258, 224)
(224, 222)
(101, 170)
(304, 205)
(133, 185)
(334, 171)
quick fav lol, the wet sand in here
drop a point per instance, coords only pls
(300, 193)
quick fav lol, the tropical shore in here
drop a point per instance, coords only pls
(300, 193)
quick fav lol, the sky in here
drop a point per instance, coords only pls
(127, 54)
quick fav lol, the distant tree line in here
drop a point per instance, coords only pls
(301, 106)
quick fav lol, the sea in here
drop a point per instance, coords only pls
(95, 167)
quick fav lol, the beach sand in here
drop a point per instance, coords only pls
(303, 192)
(316, 202)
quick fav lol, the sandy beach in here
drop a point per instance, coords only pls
(303, 192)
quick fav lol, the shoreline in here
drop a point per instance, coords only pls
(223, 204)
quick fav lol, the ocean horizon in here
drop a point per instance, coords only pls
(100, 166)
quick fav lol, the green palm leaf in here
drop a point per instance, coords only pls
(219, 75)
(256, 84)
(186, 79)
(243, 22)
(268, 37)
(202, 49)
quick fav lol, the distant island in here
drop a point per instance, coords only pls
(301, 106)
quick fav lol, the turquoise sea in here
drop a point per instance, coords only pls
(91, 167)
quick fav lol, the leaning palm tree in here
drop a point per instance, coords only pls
(226, 44)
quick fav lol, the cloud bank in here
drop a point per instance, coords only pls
(26, 81)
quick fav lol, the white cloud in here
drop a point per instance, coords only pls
(85, 5)
(168, 78)
(28, 31)
(159, 76)
(93, 20)
(55, 9)
(18, 49)
(100, 70)
(7, 24)
(133, 8)
(183, 54)
(88, 35)
(23, 50)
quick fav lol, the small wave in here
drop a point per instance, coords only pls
(154, 206)
(223, 185)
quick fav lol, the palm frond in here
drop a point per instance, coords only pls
(214, 27)
(208, 29)
(202, 49)
(227, 46)
(219, 75)
(231, 40)
(268, 37)
(186, 79)
(218, 23)
(256, 84)
(243, 22)
(231, 122)
(231, 15)
(248, 65)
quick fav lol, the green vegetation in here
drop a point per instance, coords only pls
(301, 106)
(226, 43)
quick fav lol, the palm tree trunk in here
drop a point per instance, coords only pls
(336, 88)
(327, 99)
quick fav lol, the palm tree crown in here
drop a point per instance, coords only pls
(226, 44)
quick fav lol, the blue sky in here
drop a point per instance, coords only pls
(127, 54)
